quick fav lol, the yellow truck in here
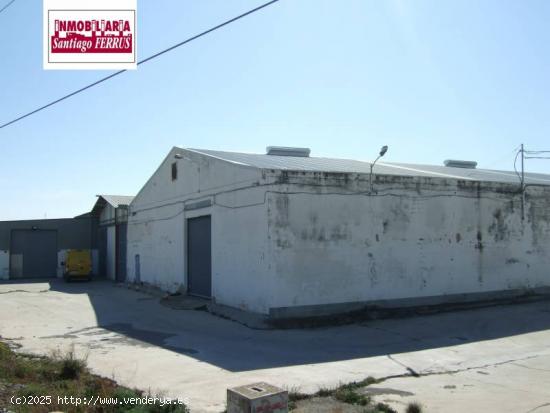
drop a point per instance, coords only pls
(78, 265)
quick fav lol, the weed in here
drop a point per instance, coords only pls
(31, 390)
(5, 351)
(71, 366)
(22, 369)
(324, 392)
(350, 396)
(414, 408)
(384, 408)
(64, 374)
(71, 369)
(295, 395)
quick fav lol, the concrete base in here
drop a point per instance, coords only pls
(251, 320)
(185, 302)
(344, 313)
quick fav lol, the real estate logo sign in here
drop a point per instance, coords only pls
(90, 34)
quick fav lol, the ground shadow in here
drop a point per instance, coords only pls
(142, 320)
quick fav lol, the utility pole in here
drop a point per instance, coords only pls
(522, 169)
(383, 151)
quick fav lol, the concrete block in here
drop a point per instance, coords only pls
(257, 398)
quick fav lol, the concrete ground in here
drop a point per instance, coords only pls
(491, 360)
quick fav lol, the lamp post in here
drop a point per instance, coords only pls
(383, 151)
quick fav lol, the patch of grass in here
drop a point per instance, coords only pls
(324, 392)
(65, 375)
(384, 408)
(294, 395)
(71, 366)
(363, 383)
(414, 408)
(351, 396)
(345, 393)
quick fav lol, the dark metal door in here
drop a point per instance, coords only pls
(137, 269)
(199, 256)
(121, 231)
(33, 254)
(102, 242)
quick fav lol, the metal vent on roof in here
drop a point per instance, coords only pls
(453, 163)
(287, 151)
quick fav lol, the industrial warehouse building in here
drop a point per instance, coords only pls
(38, 248)
(285, 234)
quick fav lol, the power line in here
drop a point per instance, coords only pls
(7, 5)
(147, 59)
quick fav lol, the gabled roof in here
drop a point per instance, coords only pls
(114, 200)
(314, 164)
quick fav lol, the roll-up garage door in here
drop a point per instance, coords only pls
(33, 254)
(199, 259)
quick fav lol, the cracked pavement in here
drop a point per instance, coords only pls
(494, 359)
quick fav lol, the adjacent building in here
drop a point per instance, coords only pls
(285, 234)
(111, 214)
(37, 248)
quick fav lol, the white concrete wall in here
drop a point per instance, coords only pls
(326, 241)
(406, 242)
(160, 247)
(156, 228)
(61, 259)
(4, 264)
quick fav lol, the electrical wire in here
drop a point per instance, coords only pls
(489, 165)
(382, 193)
(7, 5)
(147, 59)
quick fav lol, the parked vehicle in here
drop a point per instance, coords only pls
(78, 265)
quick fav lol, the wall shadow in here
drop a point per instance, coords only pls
(141, 320)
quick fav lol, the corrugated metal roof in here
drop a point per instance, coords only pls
(116, 200)
(291, 163)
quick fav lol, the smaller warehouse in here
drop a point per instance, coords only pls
(37, 248)
(111, 214)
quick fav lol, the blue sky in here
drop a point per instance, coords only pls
(433, 79)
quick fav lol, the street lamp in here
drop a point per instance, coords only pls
(383, 151)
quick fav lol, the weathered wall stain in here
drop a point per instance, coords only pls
(479, 243)
(498, 228)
